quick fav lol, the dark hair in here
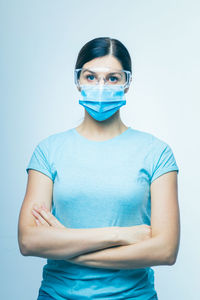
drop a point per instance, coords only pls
(102, 46)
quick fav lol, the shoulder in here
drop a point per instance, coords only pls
(56, 139)
(159, 156)
(150, 140)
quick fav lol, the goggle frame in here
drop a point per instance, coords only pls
(125, 85)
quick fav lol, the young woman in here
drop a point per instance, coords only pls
(101, 201)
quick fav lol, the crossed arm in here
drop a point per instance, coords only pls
(161, 248)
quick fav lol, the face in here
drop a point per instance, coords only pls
(107, 61)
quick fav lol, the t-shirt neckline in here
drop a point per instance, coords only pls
(117, 137)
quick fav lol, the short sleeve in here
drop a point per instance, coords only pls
(163, 161)
(39, 160)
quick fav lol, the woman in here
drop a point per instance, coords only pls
(113, 215)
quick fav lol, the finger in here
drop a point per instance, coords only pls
(37, 222)
(46, 216)
(49, 217)
(40, 214)
(39, 218)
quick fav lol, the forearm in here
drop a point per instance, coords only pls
(150, 252)
(64, 243)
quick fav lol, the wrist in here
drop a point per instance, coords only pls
(119, 236)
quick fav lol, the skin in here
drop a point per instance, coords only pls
(113, 126)
(41, 234)
(132, 235)
(160, 245)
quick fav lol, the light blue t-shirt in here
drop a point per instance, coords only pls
(101, 184)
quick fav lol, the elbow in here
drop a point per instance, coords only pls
(171, 258)
(169, 252)
(24, 244)
(23, 248)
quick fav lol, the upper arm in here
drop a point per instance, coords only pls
(39, 191)
(39, 185)
(165, 218)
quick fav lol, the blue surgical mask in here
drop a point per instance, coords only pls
(102, 101)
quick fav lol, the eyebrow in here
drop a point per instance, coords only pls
(85, 70)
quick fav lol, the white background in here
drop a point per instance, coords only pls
(40, 41)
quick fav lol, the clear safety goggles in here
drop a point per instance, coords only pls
(108, 76)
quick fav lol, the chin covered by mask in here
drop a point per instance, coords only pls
(102, 101)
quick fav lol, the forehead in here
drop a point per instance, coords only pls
(100, 70)
(107, 61)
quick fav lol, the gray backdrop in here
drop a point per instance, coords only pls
(40, 41)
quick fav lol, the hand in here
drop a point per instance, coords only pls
(130, 235)
(135, 234)
(43, 217)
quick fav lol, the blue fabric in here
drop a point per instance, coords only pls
(101, 184)
(44, 296)
(101, 102)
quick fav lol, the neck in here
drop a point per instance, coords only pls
(107, 128)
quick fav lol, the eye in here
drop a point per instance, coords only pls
(113, 79)
(90, 77)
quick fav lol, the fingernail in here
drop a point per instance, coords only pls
(35, 206)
